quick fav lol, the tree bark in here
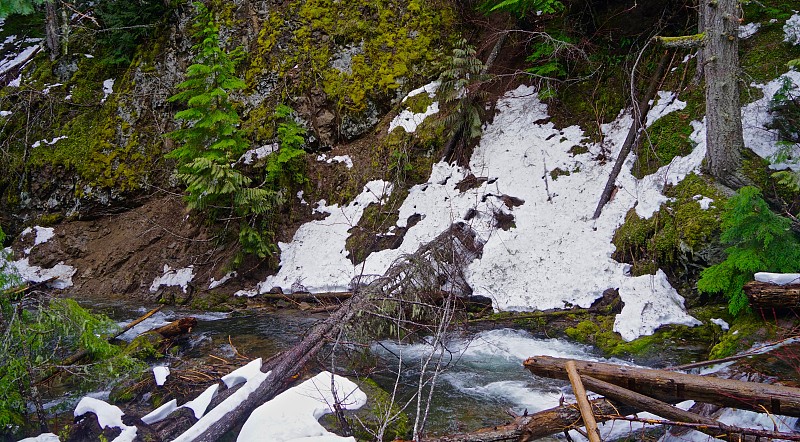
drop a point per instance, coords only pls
(724, 140)
(767, 295)
(669, 386)
(51, 30)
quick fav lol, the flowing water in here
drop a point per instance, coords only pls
(482, 380)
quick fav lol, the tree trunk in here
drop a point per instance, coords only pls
(51, 30)
(724, 141)
(669, 386)
(767, 295)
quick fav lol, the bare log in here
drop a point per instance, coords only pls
(669, 386)
(768, 295)
(176, 328)
(752, 433)
(707, 425)
(583, 402)
(634, 133)
(535, 426)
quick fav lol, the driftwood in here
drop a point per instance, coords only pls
(634, 133)
(768, 295)
(669, 386)
(176, 328)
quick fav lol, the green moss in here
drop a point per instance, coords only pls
(675, 233)
(419, 103)
(378, 407)
(397, 45)
(144, 346)
(763, 56)
(745, 330)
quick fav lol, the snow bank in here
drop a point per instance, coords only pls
(30, 273)
(108, 416)
(45, 437)
(316, 259)
(294, 414)
(173, 277)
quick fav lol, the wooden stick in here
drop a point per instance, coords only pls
(583, 402)
(669, 386)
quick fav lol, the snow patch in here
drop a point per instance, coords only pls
(409, 120)
(173, 277)
(778, 278)
(108, 89)
(294, 414)
(253, 155)
(721, 322)
(345, 159)
(108, 416)
(748, 30)
(200, 404)
(303, 266)
(242, 374)
(30, 273)
(45, 437)
(160, 374)
(161, 412)
(703, 201)
(214, 283)
(43, 234)
(49, 143)
(792, 30)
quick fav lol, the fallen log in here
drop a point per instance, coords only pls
(705, 424)
(538, 425)
(752, 433)
(308, 297)
(176, 328)
(669, 386)
(768, 295)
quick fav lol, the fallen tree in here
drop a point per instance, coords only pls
(404, 275)
(769, 295)
(669, 386)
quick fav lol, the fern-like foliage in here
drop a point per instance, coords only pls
(758, 239)
(521, 8)
(460, 88)
(210, 143)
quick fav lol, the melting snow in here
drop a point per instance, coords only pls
(174, 277)
(108, 88)
(200, 404)
(43, 234)
(778, 278)
(108, 416)
(721, 322)
(50, 143)
(252, 155)
(409, 120)
(160, 374)
(748, 30)
(703, 201)
(302, 263)
(792, 30)
(214, 283)
(337, 159)
(294, 414)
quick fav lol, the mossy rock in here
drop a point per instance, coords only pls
(676, 238)
(745, 330)
(373, 414)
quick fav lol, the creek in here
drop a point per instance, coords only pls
(481, 382)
